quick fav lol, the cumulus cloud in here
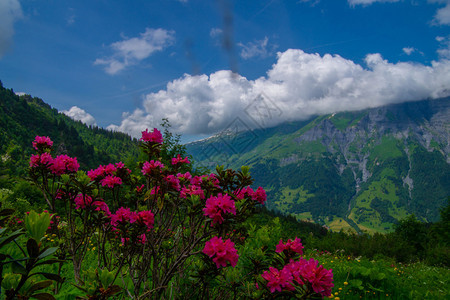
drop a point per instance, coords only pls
(442, 16)
(131, 51)
(299, 85)
(79, 114)
(10, 11)
(257, 49)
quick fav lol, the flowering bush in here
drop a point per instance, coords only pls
(153, 225)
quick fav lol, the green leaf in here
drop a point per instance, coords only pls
(37, 224)
(11, 237)
(51, 276)
(17, 268)
(47, 252)
(49, 262)
(106, 278)
(43, 296)
(39, 286)
(32, 248)
(114, 289)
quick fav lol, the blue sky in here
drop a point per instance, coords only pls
(124, 65)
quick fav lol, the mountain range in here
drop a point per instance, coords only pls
(361, 170)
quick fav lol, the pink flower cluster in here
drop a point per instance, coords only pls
(180, 160)
(206, 180)
(258, 195)
(44, 159)
(148, 167)
(111, 181)
(302, 272)
(109, 170)
(125, 216)
(42, 142)
(59, 165)
(192, 190)
(221, 251)
(63, 164)
(173, 182)
(153, 137)
(294, 246)
(215, 206)
(185, 176)
(109, 175)
(84, 202)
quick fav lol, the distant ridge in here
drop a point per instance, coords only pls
(363, 170)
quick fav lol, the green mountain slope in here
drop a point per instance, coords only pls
(24, 117)
(363, 170)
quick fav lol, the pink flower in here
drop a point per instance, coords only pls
(147, 218)
(63, 164)
(211, 178)
(139, 189)
(155, 190)
(278, 280)
(124, 216)
(259, 195)
(82, 201)
(186, 176)
(111, 181)
(308, 272)
(97, 173)
(110, 169)
(215, 206)
(192, 190)
(153, 137)
(42, 142)
(151, 165)
(241, 194)
(221, 252)
(102, 206)
(142, 238)
(173, 182)
(121, 169)
(294, 246)
(44, 159)
(179, 160)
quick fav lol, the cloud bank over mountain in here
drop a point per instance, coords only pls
(298, 86)
(79, 114)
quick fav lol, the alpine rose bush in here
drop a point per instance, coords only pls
(216, 206)
(221, 252)
(294, 246)
(162, 224)
(153, 137)
(307, 275)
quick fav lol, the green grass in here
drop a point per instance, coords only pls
(360, 278)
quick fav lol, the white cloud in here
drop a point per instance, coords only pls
(444, 50)
(215, 32)
(367, 2)
(79, 114)
(10, 11)
(408, 50)
(133, 50)
(442, 16)
(299, 85)
(257, 49)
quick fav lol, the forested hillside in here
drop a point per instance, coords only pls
(24, 117)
